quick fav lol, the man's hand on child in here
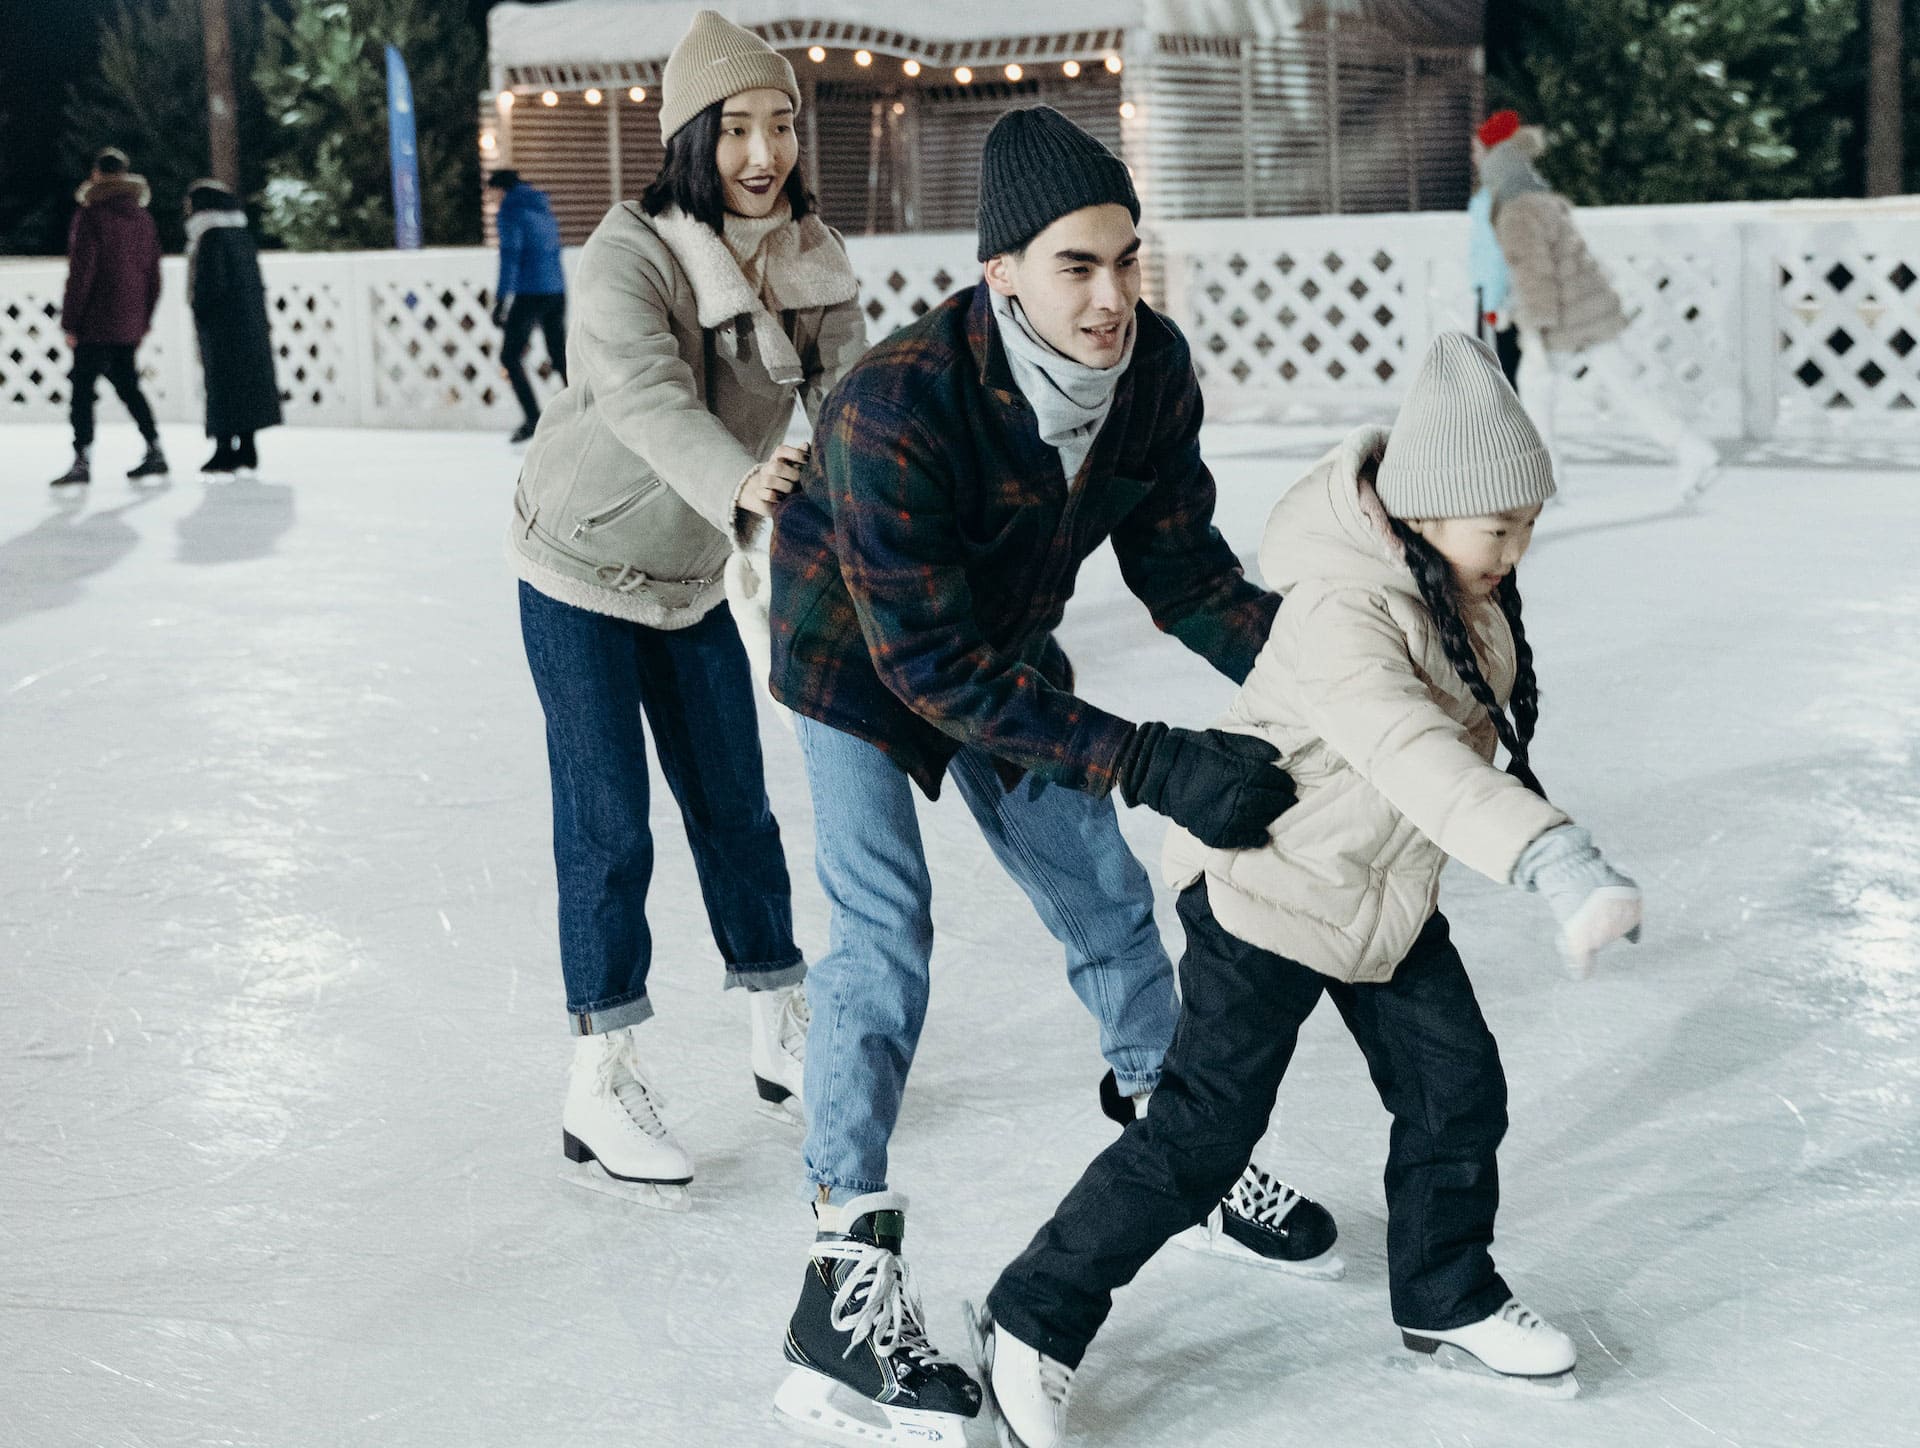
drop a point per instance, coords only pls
(1222, 786)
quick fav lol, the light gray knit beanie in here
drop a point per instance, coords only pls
(1462, 444)
(716, 59)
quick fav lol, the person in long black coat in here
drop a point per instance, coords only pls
(230, 315)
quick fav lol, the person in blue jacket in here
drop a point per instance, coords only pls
(1492, 322)
(532, 290)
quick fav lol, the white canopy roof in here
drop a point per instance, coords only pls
(647, 30)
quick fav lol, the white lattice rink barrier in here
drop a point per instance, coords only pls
(1759, 322)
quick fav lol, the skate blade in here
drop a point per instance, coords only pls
(1329, 1266)
(1461, 1366)
(661, 1197)
(808, 1402)
(776, 1103)
(979, 1330)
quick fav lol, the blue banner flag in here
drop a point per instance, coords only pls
(405, 155)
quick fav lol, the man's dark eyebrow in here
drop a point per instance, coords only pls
(1087, 258)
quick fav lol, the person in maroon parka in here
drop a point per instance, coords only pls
(113, 285)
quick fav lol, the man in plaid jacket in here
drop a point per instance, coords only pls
(960, 475)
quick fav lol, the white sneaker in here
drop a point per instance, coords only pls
(612, 1115)
(1514, 1342)
(1026, 1390)
(780, 1019)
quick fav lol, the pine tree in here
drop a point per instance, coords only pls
(1648, 102)
(322, 75)
(148, 96)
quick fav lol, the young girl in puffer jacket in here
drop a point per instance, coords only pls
(1386, 685)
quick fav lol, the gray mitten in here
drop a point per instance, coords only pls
(1594, 903)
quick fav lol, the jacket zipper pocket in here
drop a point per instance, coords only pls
(592, 521)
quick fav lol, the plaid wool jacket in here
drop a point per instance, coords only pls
(920, 568)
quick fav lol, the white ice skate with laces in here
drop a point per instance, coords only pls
(1514, 1348)
(780, 1019)
(1026, 1391)
(612, 1131)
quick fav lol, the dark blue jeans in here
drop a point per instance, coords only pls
(1438, 1072)
(597, 676)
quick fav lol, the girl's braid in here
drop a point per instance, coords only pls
(1435, 579)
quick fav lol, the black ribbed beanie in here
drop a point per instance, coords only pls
(1037, 167)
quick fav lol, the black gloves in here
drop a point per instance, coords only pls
(1223, 787)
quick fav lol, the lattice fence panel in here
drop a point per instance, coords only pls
(434, 349)
(902, 277)
(312, 352)
(1849, 332)
(33, 355)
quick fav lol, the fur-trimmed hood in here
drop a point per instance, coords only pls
(107, 190)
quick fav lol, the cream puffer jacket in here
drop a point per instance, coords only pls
(1559, 292)
(1392, 756)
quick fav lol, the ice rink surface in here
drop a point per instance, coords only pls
(282, 1045)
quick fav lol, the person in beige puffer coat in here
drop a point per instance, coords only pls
(1385, 685)
(1569, 315)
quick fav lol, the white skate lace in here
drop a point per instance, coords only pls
(790, 1031)
(1262, 1198)
(878, 1303)
(620, 1076)
(1056, 1380)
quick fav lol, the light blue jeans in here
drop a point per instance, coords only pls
(868, 994)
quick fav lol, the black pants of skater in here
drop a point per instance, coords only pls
(549, 313)
(1438, 1072)
(1506, 346)
(91, 362)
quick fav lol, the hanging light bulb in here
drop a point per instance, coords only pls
(1113, 63)
(487, 142)
(637, 94)
(593, 97)
(912, 67)
(549, 98)
(504, 101)
(1071, 69)
(964, 76)
(816, 53)
(1128, 110)
(863, 57)
(899, 108)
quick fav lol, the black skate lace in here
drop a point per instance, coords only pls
(1263, 1198)
(1056, 1380)
(1520, 1315)
(878, 1303)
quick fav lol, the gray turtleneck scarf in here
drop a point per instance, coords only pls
(1069, 399)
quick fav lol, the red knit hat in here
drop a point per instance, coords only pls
(1498, 127)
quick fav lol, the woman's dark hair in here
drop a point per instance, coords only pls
(211, 196)
(690, 180)
(1435, 579)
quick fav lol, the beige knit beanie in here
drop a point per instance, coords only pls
(716, 59)
(1462, 445)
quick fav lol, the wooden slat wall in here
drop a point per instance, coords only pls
(1216, 135)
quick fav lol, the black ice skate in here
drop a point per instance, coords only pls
(1266, 1223)
(1262, 1221)
(80, 472)
(864, 1371)
(153, 465)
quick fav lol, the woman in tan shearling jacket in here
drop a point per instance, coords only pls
(1386, 685)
